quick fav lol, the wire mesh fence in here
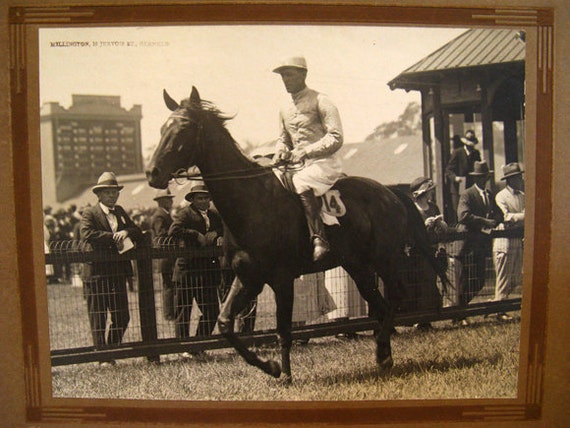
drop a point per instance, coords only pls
(150, 312)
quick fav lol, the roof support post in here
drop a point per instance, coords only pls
(441, 149)
(487, 125)
(427, 149)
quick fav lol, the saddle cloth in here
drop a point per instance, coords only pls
(331, 202)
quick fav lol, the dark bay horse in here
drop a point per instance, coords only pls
(269, 234)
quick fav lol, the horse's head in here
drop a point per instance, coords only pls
(178, 141)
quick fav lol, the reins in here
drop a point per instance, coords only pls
(225, 175)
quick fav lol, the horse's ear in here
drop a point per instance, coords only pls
(170, 103)
(195, 96)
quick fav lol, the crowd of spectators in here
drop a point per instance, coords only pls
(61, 227)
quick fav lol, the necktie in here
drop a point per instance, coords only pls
(206, 219)
(113, 220)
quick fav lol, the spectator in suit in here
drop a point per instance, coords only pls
(456, 142)
(160, 223)
(459, 166)
(478, 215)
(108, 229)
(508, 252)
(198, 276)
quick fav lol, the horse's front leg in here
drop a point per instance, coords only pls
(284, 302)
(238, 297)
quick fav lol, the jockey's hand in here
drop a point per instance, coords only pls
(281, 158)
(298, 155)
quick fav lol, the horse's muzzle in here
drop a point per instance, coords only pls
(154, 179)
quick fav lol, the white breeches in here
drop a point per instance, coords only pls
(318, 175)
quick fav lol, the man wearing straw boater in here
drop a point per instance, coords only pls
(110, 231)
(508, 252)
(311, 134)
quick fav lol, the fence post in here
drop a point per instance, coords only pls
(147, 307)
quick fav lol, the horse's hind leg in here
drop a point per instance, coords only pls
(378, 308)
(284, 303)
(237, 299)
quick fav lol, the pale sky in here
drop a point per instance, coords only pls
(231, 66)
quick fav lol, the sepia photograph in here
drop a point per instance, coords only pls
(343, 206)
(262, 214)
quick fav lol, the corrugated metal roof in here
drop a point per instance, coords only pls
(474, 48)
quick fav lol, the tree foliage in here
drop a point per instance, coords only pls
(408, 123)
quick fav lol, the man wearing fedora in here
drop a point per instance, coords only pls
(108, 229)
(460, 164)
(160, 222)
(311, 134)
(478, 215)
(199, 229)
(508, 252)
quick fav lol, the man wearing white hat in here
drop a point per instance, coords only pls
(197, 276)
(160, 222)
(108, 228)
(508, 252)
(311, 134)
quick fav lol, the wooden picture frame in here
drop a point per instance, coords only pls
(25, 257)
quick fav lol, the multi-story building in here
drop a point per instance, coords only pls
(93, 135)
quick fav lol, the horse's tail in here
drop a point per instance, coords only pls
(419, 238)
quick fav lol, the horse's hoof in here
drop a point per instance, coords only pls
(273, 368)
(385, 364)
(286, 380)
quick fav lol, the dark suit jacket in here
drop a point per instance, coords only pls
(160, 223)
(460, 165)
(186, 226)
(471, 215)
(95, 230)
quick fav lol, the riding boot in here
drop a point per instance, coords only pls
(316, 226)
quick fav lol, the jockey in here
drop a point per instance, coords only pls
(311, 134)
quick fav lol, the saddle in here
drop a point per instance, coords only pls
(331, 202)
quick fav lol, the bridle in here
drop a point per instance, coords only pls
(224, 175)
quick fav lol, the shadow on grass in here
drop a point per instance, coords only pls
(406, 369)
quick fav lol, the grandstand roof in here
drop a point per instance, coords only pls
(475, 48)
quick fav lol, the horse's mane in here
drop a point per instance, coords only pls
(210, 109)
